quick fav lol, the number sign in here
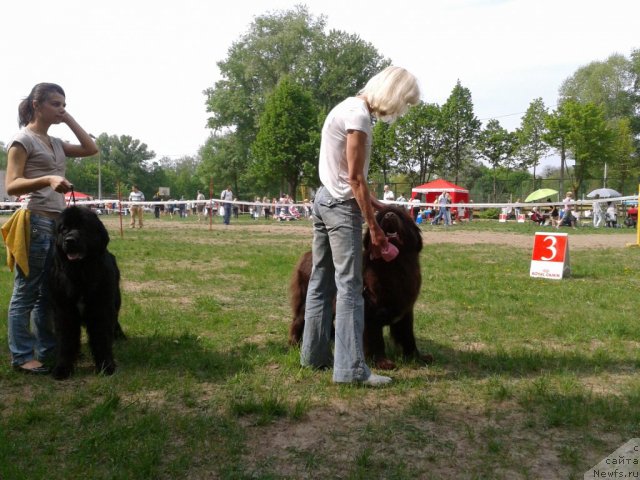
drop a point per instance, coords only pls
(550, 258)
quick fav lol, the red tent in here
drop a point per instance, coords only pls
(432, 191)
(78, 196)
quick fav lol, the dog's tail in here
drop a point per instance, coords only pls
(298, 288)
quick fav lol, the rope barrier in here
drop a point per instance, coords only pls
(217, 203)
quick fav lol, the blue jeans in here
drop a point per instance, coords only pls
(227, 213)
(28, 307)
(442, 213)
(337, 266)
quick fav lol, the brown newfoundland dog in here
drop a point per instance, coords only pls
(390, 289)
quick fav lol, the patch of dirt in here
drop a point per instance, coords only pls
(435, 235)
(470, 237)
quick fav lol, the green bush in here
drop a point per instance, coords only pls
(489, 213)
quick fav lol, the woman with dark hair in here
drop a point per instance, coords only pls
(36, 166)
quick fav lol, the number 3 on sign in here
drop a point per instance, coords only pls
(551, 247)
(550, 258)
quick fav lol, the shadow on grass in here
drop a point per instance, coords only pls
(186, 353)
(521, 362)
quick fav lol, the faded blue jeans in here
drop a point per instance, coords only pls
(30, 321)
(337, 266)
(227, 213)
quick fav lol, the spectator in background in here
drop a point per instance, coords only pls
(553, 214)
(267, 207)
(227, 196)
(567, 212)
(401, 198)
(182, 207)
(200, 204)
(462, 212)
(235, 208)
(388, 194)
(611, 216)
(598, 217)
(415, 208)
(136, 210)
(156, 206)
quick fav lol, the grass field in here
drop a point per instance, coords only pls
(532, 378)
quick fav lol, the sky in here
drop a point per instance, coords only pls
(139, 68)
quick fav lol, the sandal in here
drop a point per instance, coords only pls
(41, 370)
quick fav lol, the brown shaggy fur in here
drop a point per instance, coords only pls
(390, 290)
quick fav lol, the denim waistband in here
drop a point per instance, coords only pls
(323, 193)
(43, 224)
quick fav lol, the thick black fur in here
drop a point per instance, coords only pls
(85, 290)
(390, 289)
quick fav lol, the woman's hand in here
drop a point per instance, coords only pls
(59, 184)
(378, 239)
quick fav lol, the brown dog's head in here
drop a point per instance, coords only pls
(399, 228)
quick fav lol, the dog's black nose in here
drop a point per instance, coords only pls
(389, 215)
(70, 241)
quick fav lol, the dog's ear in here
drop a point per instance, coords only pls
(418, 237)
(414, 231)
(101, 233)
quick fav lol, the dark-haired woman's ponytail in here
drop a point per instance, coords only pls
(25, 111)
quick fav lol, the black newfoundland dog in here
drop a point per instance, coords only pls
(390, 289)
(85, 290)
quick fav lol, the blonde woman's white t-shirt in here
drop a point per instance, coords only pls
(351, 114)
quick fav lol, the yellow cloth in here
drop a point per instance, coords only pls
(15, 233)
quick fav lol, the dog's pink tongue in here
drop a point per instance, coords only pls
(74, 256)
(390, 252)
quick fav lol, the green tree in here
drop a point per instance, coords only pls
(496, 145)
(613, 85)
(330, 66)
(383, 150)
(531, 146)
(420, 142)
(179, 175)
(625, 163)
(607, 84)
(222, 163)
(287, 138)
(460, 128)
(340, 65)
(3, 156)
(582, 131)
(126, 158)
(558, 128)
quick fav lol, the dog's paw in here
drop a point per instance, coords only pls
(61, 372)
(385, 364)
(426, 358)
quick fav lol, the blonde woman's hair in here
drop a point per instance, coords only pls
(391, 92)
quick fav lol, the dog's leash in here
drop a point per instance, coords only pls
(72, 198)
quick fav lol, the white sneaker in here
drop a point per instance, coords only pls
(376, 380)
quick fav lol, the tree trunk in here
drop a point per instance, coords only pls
(293, 186)
(563, 160)
(494, 185)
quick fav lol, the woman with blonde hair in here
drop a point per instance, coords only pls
(338, 209)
